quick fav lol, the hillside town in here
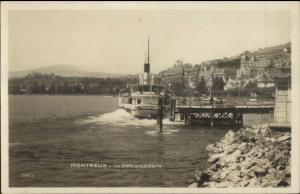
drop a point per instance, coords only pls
(249, 74)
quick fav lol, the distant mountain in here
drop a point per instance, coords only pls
(63, 70)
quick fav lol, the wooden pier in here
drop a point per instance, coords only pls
(217, 113)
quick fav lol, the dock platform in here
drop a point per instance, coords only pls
(221, 113)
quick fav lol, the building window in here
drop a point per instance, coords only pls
(139, 101)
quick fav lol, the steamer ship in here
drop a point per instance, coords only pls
(142, 99)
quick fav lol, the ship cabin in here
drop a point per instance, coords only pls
(146, 94)
(143, 95)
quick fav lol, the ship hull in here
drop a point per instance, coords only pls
(149, 112)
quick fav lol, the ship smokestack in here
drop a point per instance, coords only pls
(147, 68)
(146, 73)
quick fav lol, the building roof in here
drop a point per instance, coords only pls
(246, 76)
(264, 78)
(282, 76)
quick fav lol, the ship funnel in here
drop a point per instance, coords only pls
(147, 68)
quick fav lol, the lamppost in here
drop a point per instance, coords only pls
(210, 84)
(182, 81)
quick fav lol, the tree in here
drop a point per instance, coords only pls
(221, 84)
(201, 86)
(218, 83)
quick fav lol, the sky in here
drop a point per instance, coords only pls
(115, 41)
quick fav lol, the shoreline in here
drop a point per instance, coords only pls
(63, 95)
(249, 157)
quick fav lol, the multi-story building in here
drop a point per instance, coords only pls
(263, 62)
(255, 64)
(283, 62)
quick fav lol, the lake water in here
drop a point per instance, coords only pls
(49, 134)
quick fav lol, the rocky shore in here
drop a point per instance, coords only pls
(250, 157)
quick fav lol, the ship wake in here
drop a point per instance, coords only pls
(121, 117)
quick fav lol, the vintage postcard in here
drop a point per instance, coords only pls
(150, 97)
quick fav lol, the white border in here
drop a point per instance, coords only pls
(293, 7)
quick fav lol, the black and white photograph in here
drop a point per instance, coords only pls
(190, 97)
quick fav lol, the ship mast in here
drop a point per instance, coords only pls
(149, 81)
(149, 77)
(148, 52)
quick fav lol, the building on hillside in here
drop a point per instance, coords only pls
(254, 64)
(262, 63)
(230, 72)
(265, 81)
(283, 62)
(231, 84)
(276, 60)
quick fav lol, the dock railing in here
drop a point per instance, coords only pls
(181, 101)
(219, 110)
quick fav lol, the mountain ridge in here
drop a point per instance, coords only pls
(64, 70)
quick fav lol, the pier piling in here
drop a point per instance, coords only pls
(211, 117)
(160, 115)
(157, 117)
(172, 109)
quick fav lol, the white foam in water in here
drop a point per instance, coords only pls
(121, 117)
(16, 144)
(165, 131)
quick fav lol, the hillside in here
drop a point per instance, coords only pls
(272, 51)
(228, 62)
(63, 70)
